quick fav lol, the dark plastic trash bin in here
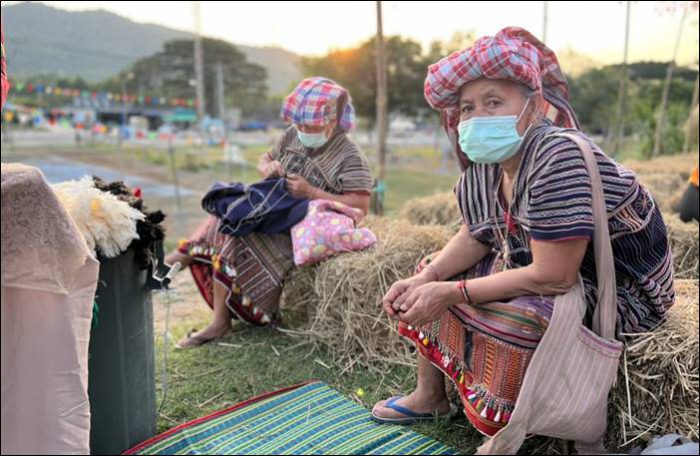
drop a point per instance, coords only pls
(121, 366)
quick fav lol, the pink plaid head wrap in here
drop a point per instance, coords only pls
(4, 83)
(513, 54)
(317, 101)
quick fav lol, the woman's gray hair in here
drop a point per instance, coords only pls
(525, 90)
(527, 93)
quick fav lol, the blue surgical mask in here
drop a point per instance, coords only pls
(490, 139)
(312, 140)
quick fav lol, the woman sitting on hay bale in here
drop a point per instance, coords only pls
(242, 276)
(526, 203)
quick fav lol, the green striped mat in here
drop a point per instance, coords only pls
(311, 418)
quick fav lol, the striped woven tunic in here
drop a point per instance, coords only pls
(337, 167)
(552, 202)
(253, 267)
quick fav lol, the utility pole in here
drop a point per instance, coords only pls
(221, 108)
(122, 131)
(544, 21)
(198, 58)
(381, 111)
(622, 92)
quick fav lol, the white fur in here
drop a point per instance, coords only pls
(107, 223)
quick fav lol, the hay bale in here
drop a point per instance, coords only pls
(683, 238)
(343, 294)
(660, 372)
(680, 164)
(439, 209)
(657, 387)
(334, 294)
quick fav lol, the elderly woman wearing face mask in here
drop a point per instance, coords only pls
(478, 308)
(242, 277)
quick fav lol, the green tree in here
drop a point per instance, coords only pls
(594, 99)
(593, 96)
(170, 73)
(355, 70)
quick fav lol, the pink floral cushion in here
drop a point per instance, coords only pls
(328, 229)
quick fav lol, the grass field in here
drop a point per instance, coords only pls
(257, 360)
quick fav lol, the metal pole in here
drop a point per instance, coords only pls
(381, 107)
(544, 21)
(121, 130)
(176, 183)
(220, 90)
(127, 77)
(222, 114)
(622, 92)
(198, 59)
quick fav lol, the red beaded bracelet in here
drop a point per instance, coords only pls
(462, 285)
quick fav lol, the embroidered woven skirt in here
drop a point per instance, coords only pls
(485, 350)
(252, 269)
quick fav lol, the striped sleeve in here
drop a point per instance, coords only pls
(278, 149)
(559, 194)
(355, 174)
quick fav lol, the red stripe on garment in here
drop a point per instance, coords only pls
(494, 329)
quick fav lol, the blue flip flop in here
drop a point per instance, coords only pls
(411, 416)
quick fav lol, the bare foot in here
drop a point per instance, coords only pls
(211, 332)
(417, 402)
(177, 257)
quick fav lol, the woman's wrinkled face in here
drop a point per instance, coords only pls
(496, 97)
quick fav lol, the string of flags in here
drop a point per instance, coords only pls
(115, 97)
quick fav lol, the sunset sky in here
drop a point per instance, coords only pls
(313, 28)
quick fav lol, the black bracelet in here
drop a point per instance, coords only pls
(465, 293)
